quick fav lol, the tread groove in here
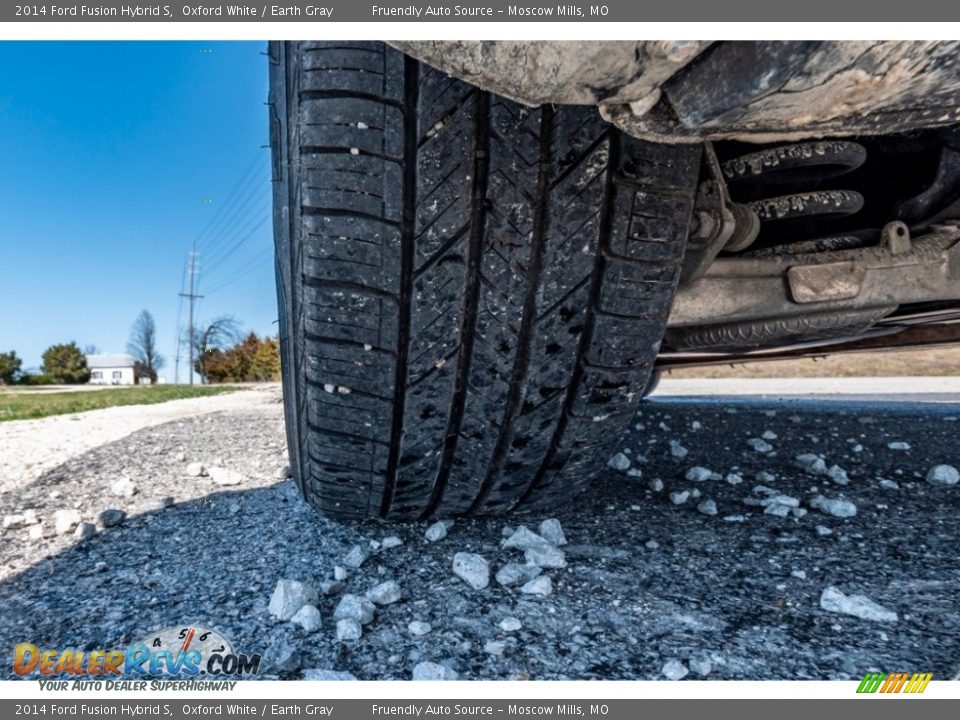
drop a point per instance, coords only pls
(527, 328)
(411, 90)
(308, 95)
(586, 336)
(471, 299)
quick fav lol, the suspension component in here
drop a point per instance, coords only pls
(797, 162)
(717, 224)
(822, 203)
(799, 169)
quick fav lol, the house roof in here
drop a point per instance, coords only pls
(109, 361)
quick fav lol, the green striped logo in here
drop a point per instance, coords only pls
(871, 682)
(894, 682)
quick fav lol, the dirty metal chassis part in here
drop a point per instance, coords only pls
(888, 335)
(742, 303)
(718, 224)
(764, 91)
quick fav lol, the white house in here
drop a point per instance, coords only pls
(111, 370)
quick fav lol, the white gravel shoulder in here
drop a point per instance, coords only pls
(32, 447)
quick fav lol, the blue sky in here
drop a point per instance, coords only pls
(114, 159)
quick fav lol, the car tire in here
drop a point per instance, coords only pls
(472, 292)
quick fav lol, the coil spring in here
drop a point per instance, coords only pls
(753, 176)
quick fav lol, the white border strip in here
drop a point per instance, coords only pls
(476, 31)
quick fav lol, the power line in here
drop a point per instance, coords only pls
(176, 361)
(240, 241)
(253, 264)
(192, 296)
(237, 225)
(236, 216)
(232, 225)
(247, 174)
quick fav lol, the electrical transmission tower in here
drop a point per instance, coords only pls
(191, 297)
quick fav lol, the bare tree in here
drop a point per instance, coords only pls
(212, 338)
(143, 347)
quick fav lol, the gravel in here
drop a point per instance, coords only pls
(834, 506)
(85, 531)
(224, 476)
(552, 532)
(812, 463)
(701, 666)
(545, 556)
(707, 507)
(516, 574)
(418, 628)
(523, 538)
(322, 674)
(433, 671)
(111, 517)
(308, 617)
(356, 557)
(698, 474)
(510, 624)
(330, 587)
(541, 585)
(124, 487)
(438, 531)
(472, 569)
(619, 462)
(19, 520)
(832, 600)
(354, 607)
(537, 550)
(838, 475)
(943, 475)
(674, 670)
(289, 596)
(386, 593)
(760, 445)
(65, 521)
(641, 586)
(34, 448)
(348, 630)
(283, 655)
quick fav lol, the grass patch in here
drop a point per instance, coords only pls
(26, 405)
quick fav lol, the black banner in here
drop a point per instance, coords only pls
(740, 11)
